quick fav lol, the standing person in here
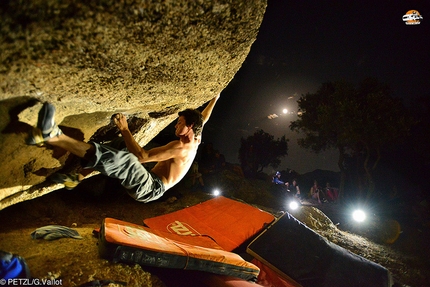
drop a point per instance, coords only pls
(173, 159)
(196, 175)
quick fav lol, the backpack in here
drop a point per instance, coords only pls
(13, 266)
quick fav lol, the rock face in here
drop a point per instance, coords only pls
(91, 59)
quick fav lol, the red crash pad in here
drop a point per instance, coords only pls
(126, 242)
(229, 222)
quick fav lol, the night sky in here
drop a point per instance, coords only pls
(302, 44)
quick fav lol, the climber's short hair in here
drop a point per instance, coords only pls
(195, 118)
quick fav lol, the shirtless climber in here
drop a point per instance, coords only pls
(173, 159)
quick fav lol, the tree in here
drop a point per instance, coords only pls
(358, 122)
(261, 150)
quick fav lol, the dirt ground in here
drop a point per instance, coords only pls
(75, 262)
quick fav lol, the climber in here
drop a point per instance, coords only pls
(173, 159)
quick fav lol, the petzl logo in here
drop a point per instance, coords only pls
(182, 228)
(412, 17)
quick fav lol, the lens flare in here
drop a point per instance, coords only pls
(293, 205)
(359, 215)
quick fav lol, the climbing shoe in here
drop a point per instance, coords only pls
(70, 181)
(46, 126)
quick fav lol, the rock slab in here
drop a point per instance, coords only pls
(91, 59)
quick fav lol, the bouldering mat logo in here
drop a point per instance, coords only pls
(182, 228)
(412, 17)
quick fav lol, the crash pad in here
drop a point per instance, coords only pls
(295, 251)
(126, 242)
(229, 222)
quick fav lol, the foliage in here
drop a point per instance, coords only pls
(261, 150)
(357, 121)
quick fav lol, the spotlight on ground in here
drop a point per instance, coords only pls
(293, 205)
(216, 192)
(359, 215)
(285, 111)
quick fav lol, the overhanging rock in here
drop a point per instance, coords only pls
(147, 59)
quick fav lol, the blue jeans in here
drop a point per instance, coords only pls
(141, 184)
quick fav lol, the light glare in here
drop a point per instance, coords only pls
(359, 215)
(294, 205)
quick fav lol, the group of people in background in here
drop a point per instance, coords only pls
(293, 188)
(316, 193)
(327, 194)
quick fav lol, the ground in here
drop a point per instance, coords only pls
(76, 262)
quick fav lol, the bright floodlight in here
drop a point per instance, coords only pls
(294, 205)
(359, 215)
(285, 111)
(216, 192)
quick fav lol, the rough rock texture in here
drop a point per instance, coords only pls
(147, 59)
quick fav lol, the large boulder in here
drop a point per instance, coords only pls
(91, 59)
